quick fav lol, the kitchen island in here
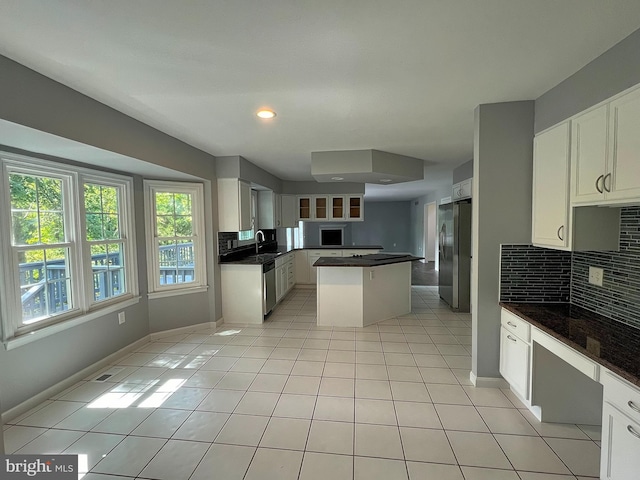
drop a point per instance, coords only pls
(362, 290)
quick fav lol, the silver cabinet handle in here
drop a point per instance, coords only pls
(601, 177)
(633, 406)
(604, 182)
(632, 431)
(511, 324)
(560, 228)
(511, 338)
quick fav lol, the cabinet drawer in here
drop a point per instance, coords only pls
(590, 368)
(325, 253)
(622, 394)
(514, 362)
(516, 325)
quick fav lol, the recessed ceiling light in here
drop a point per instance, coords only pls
(337, 178)
(265, 113)
(385, 180)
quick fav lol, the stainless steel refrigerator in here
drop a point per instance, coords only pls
(454, 237)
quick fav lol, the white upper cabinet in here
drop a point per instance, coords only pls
(304, 209)
(589, 155)
(269, 206)
(288, 211)
(338, 211)
(321, 208)
(623, 178)
(605, 153)
(355, 204)
(234, 205)
(551, 187)
(462, 190)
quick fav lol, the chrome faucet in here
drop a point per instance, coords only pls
(259, 232)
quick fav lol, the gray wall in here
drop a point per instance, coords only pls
(463, 172)
(239, 167)
(33, 100)
(502, 177)
(386, 224)
(612, 72)
(416, 215)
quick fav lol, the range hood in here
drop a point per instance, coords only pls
(365, 166)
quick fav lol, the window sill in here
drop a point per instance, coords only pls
(44, 332)
(177, 291)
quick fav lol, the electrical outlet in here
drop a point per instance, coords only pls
(595, 276)
(121, 318)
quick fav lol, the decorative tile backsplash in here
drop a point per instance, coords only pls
(223, 242)
(531, 274)
(225, 248)
(619, 296)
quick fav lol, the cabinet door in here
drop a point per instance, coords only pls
(279, 284)
(620, 445)
(337, 208)
(356, 208)
(589, 155)
(304, 208)
(291, 275)
(245, 202)
(302, 266)
(278, 210)
(623, 179)
(321, 208)
(514, 362)
(551, 187)
(288, 215)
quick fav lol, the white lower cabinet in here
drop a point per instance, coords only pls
(285, 275)
(620, 445)
(514, 362)
(620, 459)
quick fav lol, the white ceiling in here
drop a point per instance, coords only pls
(401, 76)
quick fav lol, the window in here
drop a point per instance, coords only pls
(69, 246)
(175, 217)
(295, 236)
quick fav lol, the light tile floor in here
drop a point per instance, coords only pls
(289, 400)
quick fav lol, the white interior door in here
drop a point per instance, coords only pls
(430, 244)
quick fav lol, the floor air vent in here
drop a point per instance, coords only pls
(103, 377)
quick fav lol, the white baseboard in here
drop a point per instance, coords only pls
(199, 327)
(305, 286)
(69, 381)
(488, 382)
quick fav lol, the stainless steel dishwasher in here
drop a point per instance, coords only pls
(269, 278)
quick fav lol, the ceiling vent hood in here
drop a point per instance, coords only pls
(365, 166)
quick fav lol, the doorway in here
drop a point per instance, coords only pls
(426, 272)
(430, 235)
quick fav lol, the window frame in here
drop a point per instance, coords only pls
(83, 307)
(127, 230)
(157, 290)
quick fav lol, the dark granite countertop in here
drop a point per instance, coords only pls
(272, 253)
(342, 247)
(619, 344)
(373, 260)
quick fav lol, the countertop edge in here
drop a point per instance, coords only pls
(578, 348)
(364, 263)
